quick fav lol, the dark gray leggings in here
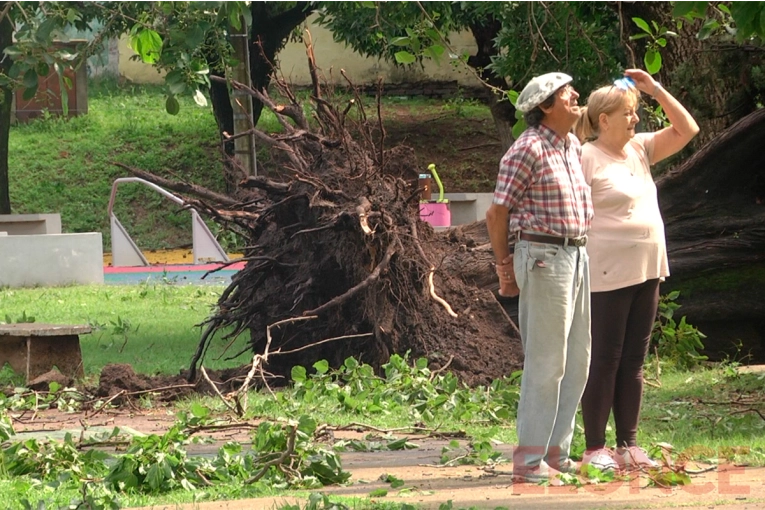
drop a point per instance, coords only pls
(622, 321)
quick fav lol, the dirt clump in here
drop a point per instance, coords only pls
(120, 383)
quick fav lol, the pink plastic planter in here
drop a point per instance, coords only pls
(437, 214)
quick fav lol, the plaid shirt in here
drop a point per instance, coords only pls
(541, 181)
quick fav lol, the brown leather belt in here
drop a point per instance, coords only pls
(560, 241)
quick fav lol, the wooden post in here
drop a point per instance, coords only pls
(241, 102)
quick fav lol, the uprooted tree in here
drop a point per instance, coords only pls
(337, 255)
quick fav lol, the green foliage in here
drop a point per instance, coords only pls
(52, 460)
(656, 38)
(573, 40)
(282, 455)
(408, 32)
(182, 38)
(396, 31)
(476, 453)
(318, 501)
(424, 395)
(21, 399)
(595, 475)
(371, 444)
(676, 342)
(740, 20)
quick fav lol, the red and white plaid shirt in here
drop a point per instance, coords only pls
(541, 181)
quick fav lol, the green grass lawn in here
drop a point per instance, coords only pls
(66, 166)
(153, 327)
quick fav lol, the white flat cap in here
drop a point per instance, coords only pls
(539, 89)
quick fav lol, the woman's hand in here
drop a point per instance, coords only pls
(643, 81)
(508, 287)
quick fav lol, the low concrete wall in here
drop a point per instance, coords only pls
(333, 56)
(468, 207)
(51, 259)
(28, 224)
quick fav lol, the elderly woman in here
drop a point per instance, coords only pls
(628, 256)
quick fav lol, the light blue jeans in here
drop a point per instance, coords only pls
(554, 321)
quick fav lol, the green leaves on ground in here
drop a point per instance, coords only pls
(282, 456)
(475, 453)
(423, 394)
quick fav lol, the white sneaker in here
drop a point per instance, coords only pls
(602, 459)
(537, 474)
(634, 457)
(567, 466)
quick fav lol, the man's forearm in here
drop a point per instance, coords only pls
(496, 224)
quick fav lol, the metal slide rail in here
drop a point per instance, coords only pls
(125, 252)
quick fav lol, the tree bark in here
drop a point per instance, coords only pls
(268, 35)
(6, 97)
(502, 111)
(714, 213)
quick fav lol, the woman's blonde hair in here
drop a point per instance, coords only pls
(606, 100)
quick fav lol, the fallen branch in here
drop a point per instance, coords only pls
(344, 337)
(279, 460)
(178, 187)
(215, 389)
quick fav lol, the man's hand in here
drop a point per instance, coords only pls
(507, 284)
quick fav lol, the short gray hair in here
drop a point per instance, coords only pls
(535, 116)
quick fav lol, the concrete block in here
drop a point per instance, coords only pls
(51, 259)
(28, 224)
(468, 207)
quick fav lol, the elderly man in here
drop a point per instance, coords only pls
(542, 205)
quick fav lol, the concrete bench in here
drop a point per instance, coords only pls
(51, 259)
(30, 224)
(468, 207)
(33, 349)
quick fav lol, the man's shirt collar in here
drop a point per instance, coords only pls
(551, 136)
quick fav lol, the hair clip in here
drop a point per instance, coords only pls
(625, 83)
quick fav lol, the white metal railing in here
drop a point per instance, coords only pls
(125, 252)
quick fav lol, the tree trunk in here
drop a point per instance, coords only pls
(6, 97)
(714, 212)
(268, 35)
(502, 111)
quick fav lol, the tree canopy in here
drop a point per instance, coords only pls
(592, 41)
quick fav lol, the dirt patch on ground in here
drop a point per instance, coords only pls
(120, 384)
(427, 483)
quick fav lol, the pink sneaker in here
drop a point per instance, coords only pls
(634, 457)
(601, 458)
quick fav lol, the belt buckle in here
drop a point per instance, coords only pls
(579, 242)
